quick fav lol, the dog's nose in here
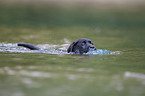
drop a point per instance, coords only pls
(93, 47)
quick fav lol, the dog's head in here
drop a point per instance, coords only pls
(81, 46)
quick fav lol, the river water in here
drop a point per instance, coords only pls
(117, 68)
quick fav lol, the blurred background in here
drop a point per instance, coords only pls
(115, 25)
(43, 20)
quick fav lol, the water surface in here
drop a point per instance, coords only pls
(24, 72)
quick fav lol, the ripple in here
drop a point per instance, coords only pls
(48, 49)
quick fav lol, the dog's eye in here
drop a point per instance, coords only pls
(84, 42)
(90, 42)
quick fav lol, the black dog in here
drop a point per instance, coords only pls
(79, 46)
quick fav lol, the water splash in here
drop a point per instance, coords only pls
(47, 48)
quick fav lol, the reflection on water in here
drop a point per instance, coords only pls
(40, 74)
(47, 48)
(134, 75)
(110, 27)
(34, 79)
(19, 70)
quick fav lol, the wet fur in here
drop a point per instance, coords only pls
(79, 46)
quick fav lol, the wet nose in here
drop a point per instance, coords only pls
(93, 47)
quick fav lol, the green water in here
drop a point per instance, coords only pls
(116, 28)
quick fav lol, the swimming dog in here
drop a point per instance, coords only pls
(79, 46)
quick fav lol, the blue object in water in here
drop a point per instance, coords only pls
(98, 51)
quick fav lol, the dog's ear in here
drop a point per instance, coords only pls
(71, 47)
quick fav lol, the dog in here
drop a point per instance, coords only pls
(79, 46)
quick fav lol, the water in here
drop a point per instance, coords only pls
(48, 49)
(117, 68)
(14, 48)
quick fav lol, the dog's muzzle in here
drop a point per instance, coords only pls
(92, 47)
